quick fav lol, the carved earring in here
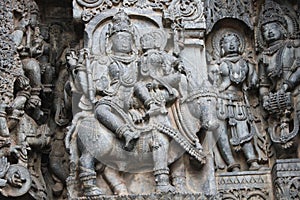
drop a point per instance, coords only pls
(222, 51)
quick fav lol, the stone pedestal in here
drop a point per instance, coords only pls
(244, 185)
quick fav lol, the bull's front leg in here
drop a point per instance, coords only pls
(88, 175)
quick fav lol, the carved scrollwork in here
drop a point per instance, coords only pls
(250, 194)
(294, 188)
(188, 12)
(236, 9)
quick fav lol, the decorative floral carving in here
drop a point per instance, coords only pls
(221, 9)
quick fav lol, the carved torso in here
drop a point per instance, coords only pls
(123, 76)
(278, 62)
(234, 71)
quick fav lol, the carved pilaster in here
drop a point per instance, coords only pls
(286, 179)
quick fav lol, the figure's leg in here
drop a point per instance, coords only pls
(221, 136)
(114, 123)
(248, 149)
(72, 183)
(33, 72)
(115, 181)
(160, 157)
(88, 175)
(250, 156)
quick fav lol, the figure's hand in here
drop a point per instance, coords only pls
(136, 116)
(24, 22)
(149, 86)
(284, 88)
(102, 84)
(253, 84)
(265, 101)
(34, 101)
(16, 149)
(19, 103)
(296, 64)
(130, 139)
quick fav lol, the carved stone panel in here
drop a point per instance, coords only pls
(149, 99)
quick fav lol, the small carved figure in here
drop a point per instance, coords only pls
(30, 45)
(159, 78)
(122, 75)
(279, 67)
(233, 77)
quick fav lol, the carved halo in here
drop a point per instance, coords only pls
(89, 3)
(161, 36)
(216, 40)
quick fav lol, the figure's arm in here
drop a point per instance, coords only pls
(252, 77)
(264, 84)
(294, 80)
(100, 77)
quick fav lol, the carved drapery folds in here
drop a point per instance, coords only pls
(149, 99)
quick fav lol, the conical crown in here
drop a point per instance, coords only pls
(121, 23)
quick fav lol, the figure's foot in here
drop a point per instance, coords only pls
(92, 191)
(165, 188)
(130, 139)
(234, 168)
(57, 188)
(254, 166)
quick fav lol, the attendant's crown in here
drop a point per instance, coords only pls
(271, 12)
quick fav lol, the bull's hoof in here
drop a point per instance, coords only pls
(180, 184)
(93, 191)
(165, 188)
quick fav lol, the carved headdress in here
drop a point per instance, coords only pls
(218, 39)
(271, 12)
(120, 23)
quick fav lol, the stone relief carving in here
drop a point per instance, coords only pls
(234, 76)
(149, 99)
(278, 65)
(132, 95)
